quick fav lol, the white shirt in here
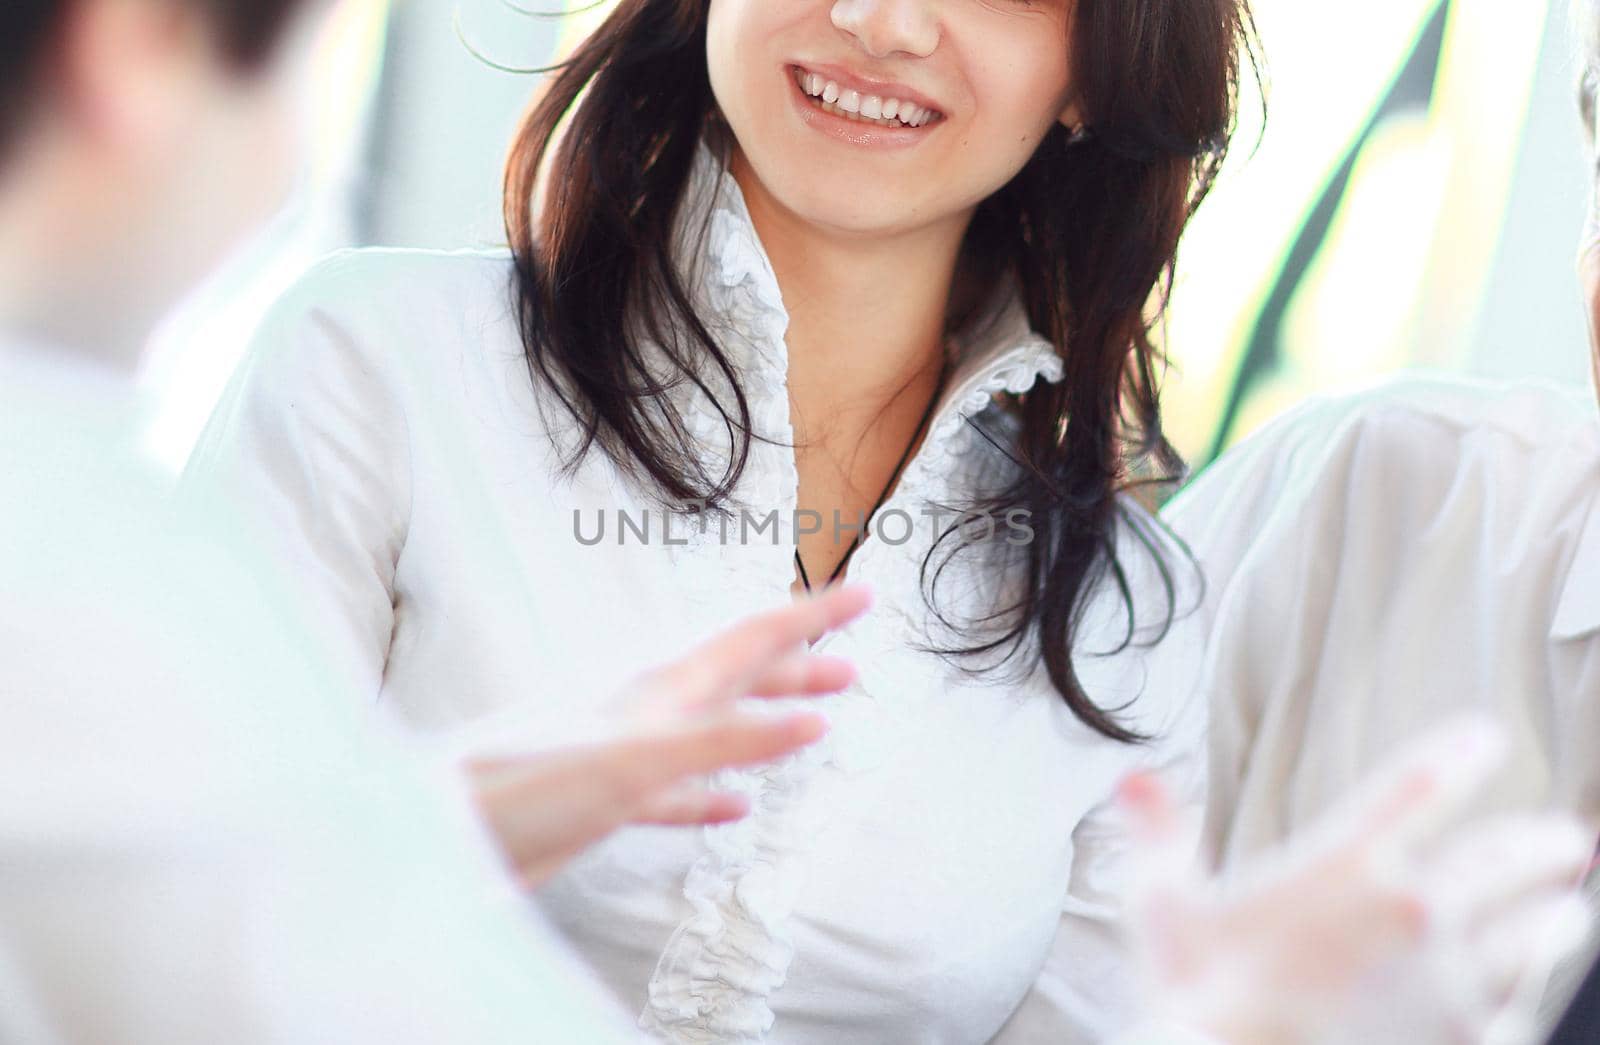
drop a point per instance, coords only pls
(1378, 561)
(198, 844)
(905, 879)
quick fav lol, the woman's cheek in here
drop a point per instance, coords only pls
(1029, 106)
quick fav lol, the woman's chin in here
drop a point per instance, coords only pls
(880, 214)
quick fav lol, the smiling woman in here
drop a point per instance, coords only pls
(823, 260)
(994, 189)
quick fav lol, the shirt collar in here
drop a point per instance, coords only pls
(997, 351)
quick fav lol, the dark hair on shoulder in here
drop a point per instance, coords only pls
(1090, 228)
(248, 30)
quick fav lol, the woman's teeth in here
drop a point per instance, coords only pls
(885, 112)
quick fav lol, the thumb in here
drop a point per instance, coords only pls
(1147, 804)
(1164, 882)
(1161, 859)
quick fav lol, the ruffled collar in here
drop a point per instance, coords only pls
(731, 277)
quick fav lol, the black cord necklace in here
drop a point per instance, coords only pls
(905, 455)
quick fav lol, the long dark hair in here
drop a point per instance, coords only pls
(248, 30)
(1091, 229)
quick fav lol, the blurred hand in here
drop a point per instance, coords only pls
(1370, 927)
(678, 722)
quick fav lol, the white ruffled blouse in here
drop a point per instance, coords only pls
(946, 856)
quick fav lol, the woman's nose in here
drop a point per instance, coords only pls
(889, 27)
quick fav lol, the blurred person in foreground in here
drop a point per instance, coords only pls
(194, 845)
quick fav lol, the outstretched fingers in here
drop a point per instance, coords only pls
(652, 762)
(764, 654)
(1418, 791)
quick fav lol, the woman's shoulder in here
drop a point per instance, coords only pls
(401, 288)
(1160, 569)
(394, 317)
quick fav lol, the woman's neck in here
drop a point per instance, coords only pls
(866, 317)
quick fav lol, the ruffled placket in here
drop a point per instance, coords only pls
(737, 295)
(716, 977)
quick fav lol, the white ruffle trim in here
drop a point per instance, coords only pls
(716, 976)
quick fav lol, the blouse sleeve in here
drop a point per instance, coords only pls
(1087, 990)
(309, 448)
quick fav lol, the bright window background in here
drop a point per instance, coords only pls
(1414, 201)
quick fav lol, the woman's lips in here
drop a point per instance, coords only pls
(854, 129)
(866, 87)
